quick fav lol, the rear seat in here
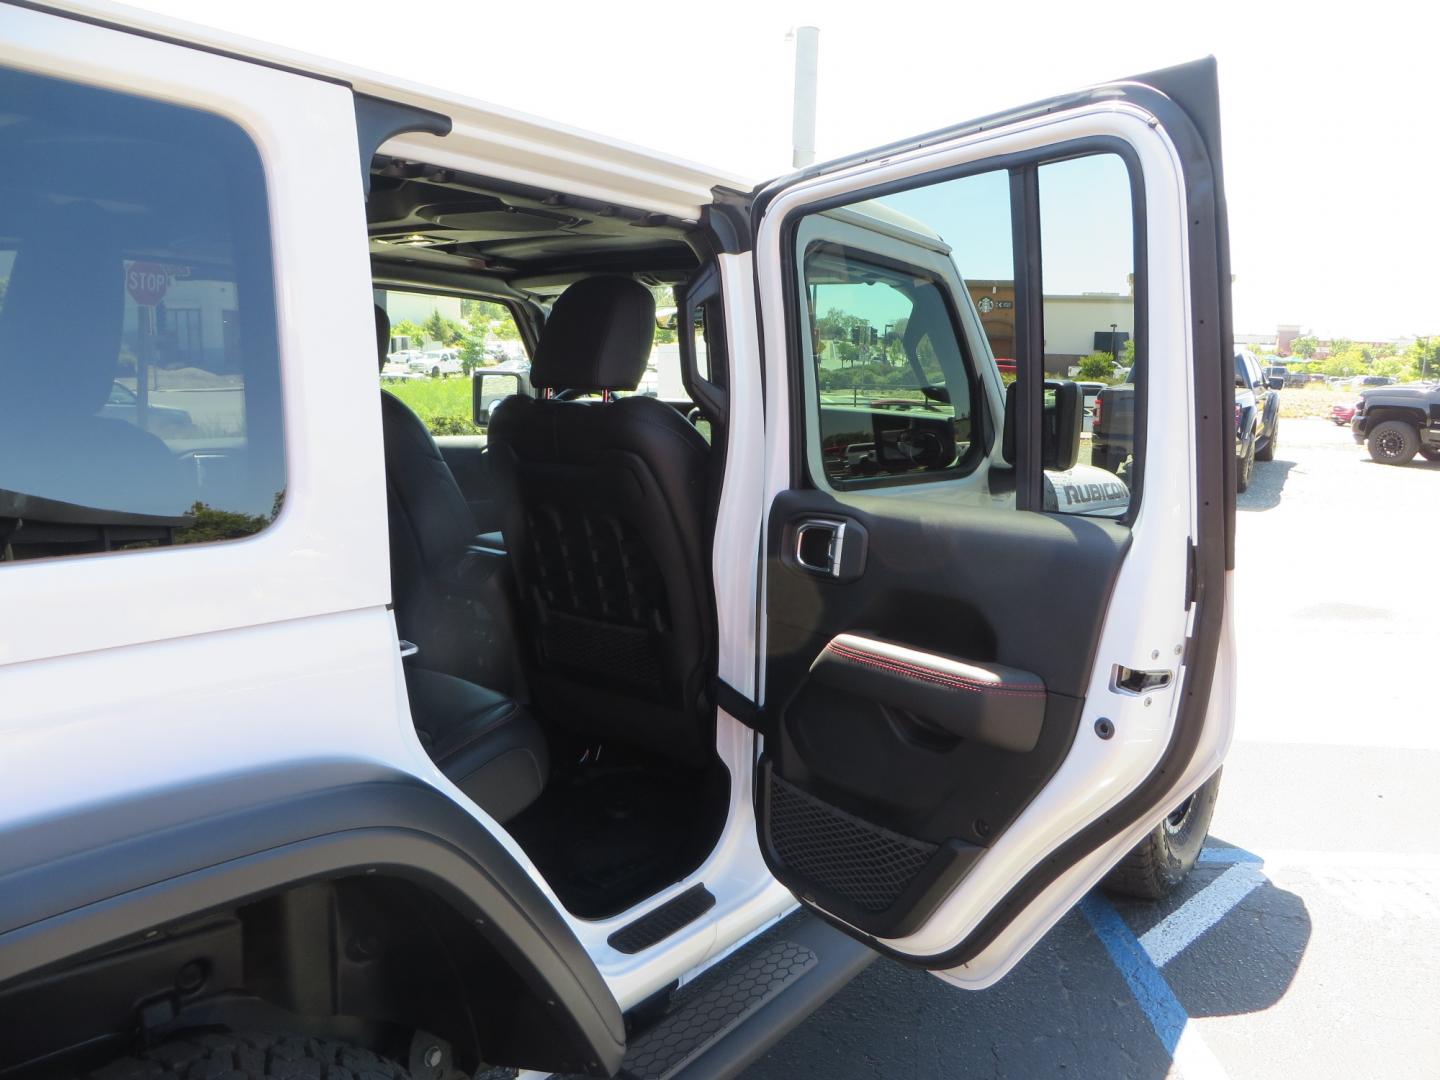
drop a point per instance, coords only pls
(488, 744)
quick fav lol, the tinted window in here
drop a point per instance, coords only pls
(893, 386)
(139, 378)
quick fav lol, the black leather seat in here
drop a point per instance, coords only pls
(604, 509)
(488, 744)
(431, 528)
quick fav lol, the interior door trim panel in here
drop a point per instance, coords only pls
(992, 704)
(920, 706)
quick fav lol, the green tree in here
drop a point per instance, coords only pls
(414, 331)
(1097, 366)
(1423, 357)
(1304, 346)
(211, 524)
(486, 315)
(1127, 353)
(1350, 360)
(445, 331)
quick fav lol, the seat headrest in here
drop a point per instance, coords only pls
(382, 334)
(598, 337)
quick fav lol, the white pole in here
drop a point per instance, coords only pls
(807, 59)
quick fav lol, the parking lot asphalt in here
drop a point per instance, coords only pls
(1307, 942)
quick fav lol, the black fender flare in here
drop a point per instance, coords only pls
(106, 875)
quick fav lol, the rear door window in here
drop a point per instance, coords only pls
(139, 370)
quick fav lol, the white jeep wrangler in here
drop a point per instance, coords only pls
(616, 739)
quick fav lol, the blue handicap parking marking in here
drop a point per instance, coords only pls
(1157, 1001)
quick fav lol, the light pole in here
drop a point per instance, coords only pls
(1114, 345)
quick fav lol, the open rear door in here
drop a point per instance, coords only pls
(995, 651)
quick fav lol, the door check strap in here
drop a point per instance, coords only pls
(992, 704)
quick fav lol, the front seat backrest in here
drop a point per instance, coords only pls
(604, 505)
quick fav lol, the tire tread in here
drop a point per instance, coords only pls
(251, 1056)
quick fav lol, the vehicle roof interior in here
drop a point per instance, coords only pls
(438, 228)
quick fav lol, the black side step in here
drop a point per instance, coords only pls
(655, 926)
(740, 1008)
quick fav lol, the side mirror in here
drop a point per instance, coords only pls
(1276, 382)
(1061, 418)
(489, 388)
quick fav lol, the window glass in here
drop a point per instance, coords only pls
(892, 384)
(971, 215)
(436, 343)
(139, 378)
(662, 378)
(1087, 244)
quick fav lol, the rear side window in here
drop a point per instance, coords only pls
(139, 373)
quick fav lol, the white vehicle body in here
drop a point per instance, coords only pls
(277, 656)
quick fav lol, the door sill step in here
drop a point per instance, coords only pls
(670, 917)
(733, 1013)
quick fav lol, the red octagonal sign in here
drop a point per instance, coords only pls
(146, 282)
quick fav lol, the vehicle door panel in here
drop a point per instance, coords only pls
(929, 584)
(933, 837)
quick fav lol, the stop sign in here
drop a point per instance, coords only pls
(146, 282)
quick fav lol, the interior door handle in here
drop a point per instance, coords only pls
(820, 546)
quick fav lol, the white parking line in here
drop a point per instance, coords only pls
(1172, 934)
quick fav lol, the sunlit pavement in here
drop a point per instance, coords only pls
(1307, 942)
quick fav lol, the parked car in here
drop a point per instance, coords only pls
(1257, 416)
(1257, 420)
(1394, 423)
(1342, 414)
(438, 365)
(748, 720)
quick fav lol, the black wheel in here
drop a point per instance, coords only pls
(1430, 453)
(1267, 452)
(1392, 443)
(252, 1057)
(1159, 863)
(435, 373)
(1244, 469)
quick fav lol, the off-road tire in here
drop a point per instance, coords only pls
(252, 1057)
(1393, 443)
(1244, 470)
(1159, 863)
(1267, 452)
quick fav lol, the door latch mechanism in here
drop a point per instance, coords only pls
(1129, 681)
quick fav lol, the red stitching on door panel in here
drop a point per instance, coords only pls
(914, 671)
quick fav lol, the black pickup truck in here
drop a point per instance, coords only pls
(1257, 420)
(1396, 422)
